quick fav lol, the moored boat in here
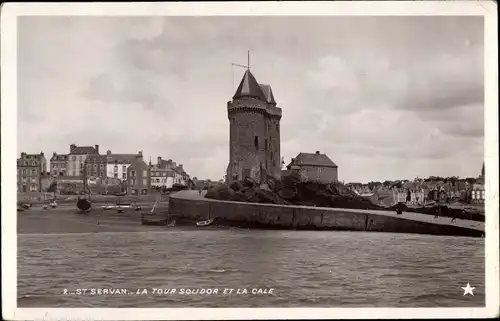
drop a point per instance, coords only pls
(205, 222)
(84, 204)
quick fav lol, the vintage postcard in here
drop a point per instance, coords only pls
(237, 160)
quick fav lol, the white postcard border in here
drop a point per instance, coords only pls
(10, 11)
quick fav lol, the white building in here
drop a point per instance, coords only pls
(175, 173)
(117, 164)
(162, 177)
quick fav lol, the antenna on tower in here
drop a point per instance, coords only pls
(247, 67)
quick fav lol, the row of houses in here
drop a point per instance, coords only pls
(107, 172)
(419, 193)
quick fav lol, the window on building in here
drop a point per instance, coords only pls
(132, 173)
(102, 174)
(116, 169)
(144, 173)
(144, 182)
(101, 166)
(33, 171)
(256, 142)
(95, 165)
(115, 175)
(74, 158)
(124, 175)
(124, 168)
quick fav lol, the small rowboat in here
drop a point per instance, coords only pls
(205, 222)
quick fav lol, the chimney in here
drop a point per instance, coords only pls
(41, 153)
(72, 148)
(317, 152)
(180, 166)
(108, 153)
(54, 154)
(140, 153)
(159, 160)
(96, 147)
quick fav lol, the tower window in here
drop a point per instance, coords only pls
(256, 142)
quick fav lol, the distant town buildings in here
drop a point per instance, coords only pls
(77, 156)
(314, 167)
(117, 164)
(30, 170)
(478, 191)
(105, 174)
(96, 166)
(58, 164)
(139, 177)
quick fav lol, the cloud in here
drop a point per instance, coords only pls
(131, 90)
(384, 97)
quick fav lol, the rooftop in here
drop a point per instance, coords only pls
(268, 93)
(122, 158)
(59, 157)
(249, 87)
(96, 158)
(83, 150)
(312, 159)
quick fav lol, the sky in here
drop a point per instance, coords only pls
(385, 98)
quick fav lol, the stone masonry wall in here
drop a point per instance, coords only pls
(299, 217)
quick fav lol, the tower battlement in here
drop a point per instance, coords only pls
(253, 105)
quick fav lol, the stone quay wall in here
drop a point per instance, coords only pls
(271, 216)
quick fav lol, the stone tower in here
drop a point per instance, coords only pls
(254, 132)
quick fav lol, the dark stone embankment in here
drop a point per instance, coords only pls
(190, 205)
(292, 191)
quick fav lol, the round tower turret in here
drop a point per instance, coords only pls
(254, 132)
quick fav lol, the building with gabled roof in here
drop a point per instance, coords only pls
(96, 166)
(77, 156)
(30, 169)
(314, 167)
(58, 164)
(117, 164)
(254, 132)
(138, 178)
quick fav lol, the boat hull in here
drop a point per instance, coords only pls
(83, 204)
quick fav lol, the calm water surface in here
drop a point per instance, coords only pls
(317, 269)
